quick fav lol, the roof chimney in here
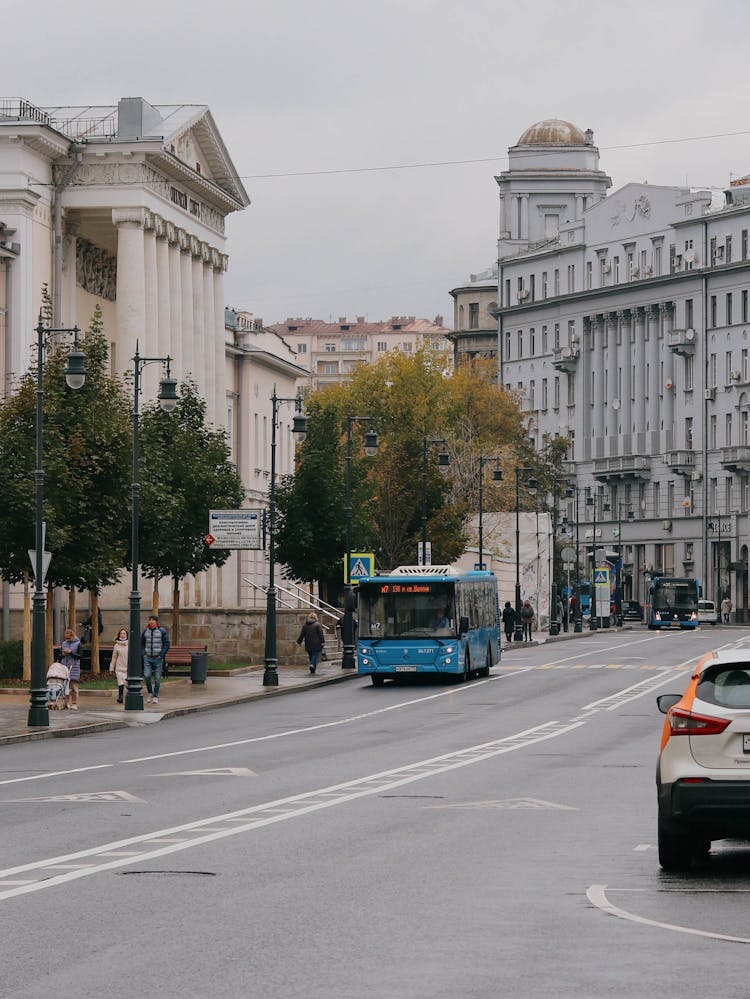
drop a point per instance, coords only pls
(137, 119)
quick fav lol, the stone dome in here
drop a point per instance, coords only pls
(553, 132)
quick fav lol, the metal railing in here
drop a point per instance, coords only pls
(321, 607)
(17, 109)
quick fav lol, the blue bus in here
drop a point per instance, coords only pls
(672, 602)
(430, 619)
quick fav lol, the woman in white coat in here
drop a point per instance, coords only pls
(119, 664)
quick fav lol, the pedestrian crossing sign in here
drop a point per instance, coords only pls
(601, 577)
(361, 564)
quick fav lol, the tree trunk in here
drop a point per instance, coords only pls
(155, 597)
(94, 631)
(176, 612)
(26, 629)
(72, 610)
(49, 643)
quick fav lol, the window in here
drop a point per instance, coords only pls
(688, 314)
(406, 347)
(744, 365)
(689, 373)
(557, 335)
(507, 291)
(473, 315)
(657, 500)
(532, 287)
(556, 393)
(589, 274)
(557, 282)
(712, 498)
(507, 344)
(544, 284)
(712, 431)
(571, 331)
(571, 278)
(382, 346)
(712, 250)
(743, 427)
(744, 244)
(520, 344)
(602, 272)
(688, 432)
(744, 306)
(615, 270)
(728, 430)
(330, 348)
(545, 345)
(670, 498)
(644, 263)
(728, 250)
(657, 261)
(712, 311)
(728, 368)
(571, 390)
(532, 342)
(532, 394)
(301, 348)
(629, 267)
(729, 309)
(330, 369)
(349, 345)
(544, 394)
(728, 494)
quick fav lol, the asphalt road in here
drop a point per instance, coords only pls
(495, 838)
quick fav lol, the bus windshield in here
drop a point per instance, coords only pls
(393, 610)
(670, 595)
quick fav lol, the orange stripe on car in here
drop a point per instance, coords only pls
(686, 701)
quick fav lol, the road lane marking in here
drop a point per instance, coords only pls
(597, 895)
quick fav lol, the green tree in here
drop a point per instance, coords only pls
(184, 472)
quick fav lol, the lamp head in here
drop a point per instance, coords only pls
(75, 370)
(371, 443)
(167, 396)
(299, 427)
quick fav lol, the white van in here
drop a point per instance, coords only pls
(706, 612)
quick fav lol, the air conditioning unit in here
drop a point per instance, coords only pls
(719, 251)
(736, 376)
(566, 352)
(690, 256)
(677, 260)
(608, 267)
(710, 394)
(690, 335)
(523, 295)
(634, 273)
(666, 525)
(647, 271)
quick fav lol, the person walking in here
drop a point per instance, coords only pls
(527, 620)
(119, 663)
(154, 647)
(509, 621)
(726, 609)
(313, 636)
(70, 656)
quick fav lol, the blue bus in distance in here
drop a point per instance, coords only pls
(428, 620)
(672, 602)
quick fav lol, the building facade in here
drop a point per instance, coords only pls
(623, 324)
(331, 351)
(475, 317)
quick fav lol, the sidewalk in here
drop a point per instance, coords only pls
(99, 712)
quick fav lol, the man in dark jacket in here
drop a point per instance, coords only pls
(509, 621)
(314, 637)
(154, 647)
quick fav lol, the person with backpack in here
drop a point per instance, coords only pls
(527, 620)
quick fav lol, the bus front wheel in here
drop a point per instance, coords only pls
(377, 681)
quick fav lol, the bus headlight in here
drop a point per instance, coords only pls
(365, 662)
(449, 650)
(447, 661)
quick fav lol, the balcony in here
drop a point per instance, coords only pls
(680, 462)
(565, 358)
(624, 466)
(682, 341)
(736, 459)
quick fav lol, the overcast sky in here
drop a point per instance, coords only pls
(309, 86)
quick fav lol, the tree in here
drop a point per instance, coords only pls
(184, 472)
(86, 455)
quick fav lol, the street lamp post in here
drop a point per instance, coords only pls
(299, 429)
(497, 476)
(531, 485)
(593, 617)
(554, 624)
(347, 624)
(573, 492)
(443, 462)
(75, 375)
(168, 400)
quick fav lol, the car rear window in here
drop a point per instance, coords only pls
(727, 685)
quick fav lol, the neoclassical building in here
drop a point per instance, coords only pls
(623, 323)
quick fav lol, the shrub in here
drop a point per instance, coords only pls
(11, 659)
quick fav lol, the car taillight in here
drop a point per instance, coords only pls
(682, 722)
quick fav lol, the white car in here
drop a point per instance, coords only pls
(703, 773)
(706, 612)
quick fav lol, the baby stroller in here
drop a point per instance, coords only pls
(58, 686)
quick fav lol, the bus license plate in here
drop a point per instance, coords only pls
(404, 669)
(746, 743)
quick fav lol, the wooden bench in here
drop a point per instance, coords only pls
(181, 656)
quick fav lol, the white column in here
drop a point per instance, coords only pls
(69, 303)
(219, 339)
(625, 356)
(199, 343)
(639, 356)
(598, 333)
(163, 300)
(175, 303)
(186, 283)
(149, 343)
(668, 318)
(501, 220)
(213, 413)
(524, 216)
(515, 229)
(613, 413)
(652, 318)
(131, 283)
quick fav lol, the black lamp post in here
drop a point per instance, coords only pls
(75, 376)
(347, 624)
(443, 462)
(593, 617)
(554, 624)
(573, 491)
(531, 485)
(168, 400)
(299, 429)
(497, 476)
